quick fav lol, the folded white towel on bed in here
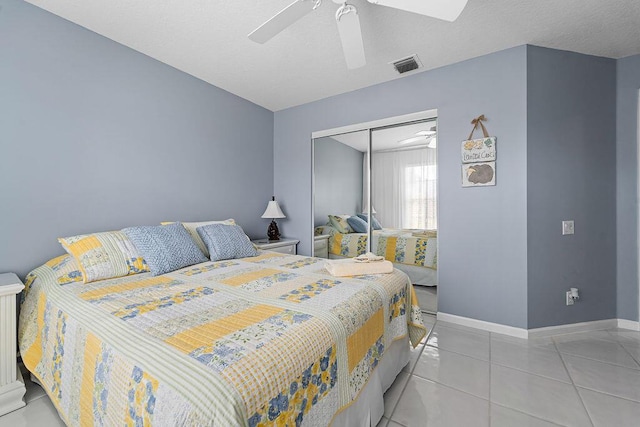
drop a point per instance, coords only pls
(349, 267)
(368, 257)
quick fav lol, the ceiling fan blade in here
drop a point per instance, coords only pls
(282, 20)
(447, 10)
(351, 36)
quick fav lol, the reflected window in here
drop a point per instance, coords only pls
(419, 197)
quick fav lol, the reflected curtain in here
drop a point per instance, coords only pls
(404, 185)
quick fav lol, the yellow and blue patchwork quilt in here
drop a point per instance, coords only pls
(409, 247)
(268, 340)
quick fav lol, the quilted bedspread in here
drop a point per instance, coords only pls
(399, 246)
(267, 340)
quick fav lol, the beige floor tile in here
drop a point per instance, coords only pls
(539, 360)
(455, 370)
(604, 377)
(505, 417)
(425, 403)
(537, 396)
(393, 393)
(607, 410)
(38, 412)
(464, 341)
(597, 349)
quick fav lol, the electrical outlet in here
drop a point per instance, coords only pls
(567, 227)
(569, 300)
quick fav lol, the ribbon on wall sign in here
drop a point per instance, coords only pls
(478, 121)
(479, 157)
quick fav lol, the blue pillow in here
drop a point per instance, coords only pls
(165, 248)
(226, 241)
(358, 224)
(374, 222)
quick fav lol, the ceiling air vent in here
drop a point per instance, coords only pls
(405, 65)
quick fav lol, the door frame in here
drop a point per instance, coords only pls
(357, 127)
(638, 205)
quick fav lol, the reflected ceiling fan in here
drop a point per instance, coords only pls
(349, 23)
(428, 136)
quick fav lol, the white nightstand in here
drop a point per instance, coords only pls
(285, 246)
(12, 387)
(321, 246)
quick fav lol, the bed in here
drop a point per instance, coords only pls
(412, 251)
(265, 340)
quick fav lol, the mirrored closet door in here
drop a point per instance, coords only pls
(340, 182)
(390, 172)
(404, 203)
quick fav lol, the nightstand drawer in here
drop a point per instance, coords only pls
(289, 249)
(284, 246)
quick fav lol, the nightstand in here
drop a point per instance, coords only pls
(12, 387)
(321, 246)
(284, 246)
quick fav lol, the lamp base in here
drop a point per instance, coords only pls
(272, 232)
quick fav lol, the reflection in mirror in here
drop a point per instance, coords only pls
(396, 166)
(404, 202)
(338, 184)
(403, 175)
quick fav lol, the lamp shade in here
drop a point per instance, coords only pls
(273, 210)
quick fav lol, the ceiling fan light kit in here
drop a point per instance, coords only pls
(349, 22)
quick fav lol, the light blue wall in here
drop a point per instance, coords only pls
(628, 83)
(571, 164)
(482, 231)
(338, 179)
(95, 136)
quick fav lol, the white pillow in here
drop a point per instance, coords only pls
(191, 229)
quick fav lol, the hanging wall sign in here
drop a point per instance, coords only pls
(479, 150)
(478, 174)
(478, 157)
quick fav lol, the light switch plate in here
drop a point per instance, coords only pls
(567, 227)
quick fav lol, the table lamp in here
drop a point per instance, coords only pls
(273, 211)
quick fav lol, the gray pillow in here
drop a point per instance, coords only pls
(165, 247)
(358, 224)
(374, 222)
(226, 241)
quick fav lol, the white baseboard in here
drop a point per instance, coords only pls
(538, 332)
(481, 324)
(595, 325)
(629, 324)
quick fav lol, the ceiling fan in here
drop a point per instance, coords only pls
(349, 23)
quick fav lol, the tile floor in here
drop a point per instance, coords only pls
(39, 411)
(467, 377)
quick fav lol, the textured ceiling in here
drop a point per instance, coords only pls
(208, 39)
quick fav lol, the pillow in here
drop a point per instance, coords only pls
(358, 224)
(66, 269)
(226, 241)
(324, 229)
(165, 247)
(192, 226)
(104, 255)
(339, 222)
(374, 222)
